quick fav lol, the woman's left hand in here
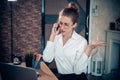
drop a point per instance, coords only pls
(94, 44)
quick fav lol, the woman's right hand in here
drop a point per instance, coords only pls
(54, 32)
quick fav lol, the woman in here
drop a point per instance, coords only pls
(68, 48)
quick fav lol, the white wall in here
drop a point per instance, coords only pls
(108, 11)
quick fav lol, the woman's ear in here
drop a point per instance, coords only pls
(75, 25)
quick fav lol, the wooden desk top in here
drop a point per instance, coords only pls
(45, 73)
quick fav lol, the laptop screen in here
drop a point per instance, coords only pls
(16, 72)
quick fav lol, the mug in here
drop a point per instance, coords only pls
(36, 61)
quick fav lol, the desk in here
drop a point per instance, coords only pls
(45, 73)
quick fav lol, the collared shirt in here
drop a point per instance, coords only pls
(70, 58)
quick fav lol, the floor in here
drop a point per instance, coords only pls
(91, 77)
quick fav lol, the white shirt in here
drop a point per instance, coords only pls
(70, 58)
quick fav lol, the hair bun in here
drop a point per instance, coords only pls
(74, 6)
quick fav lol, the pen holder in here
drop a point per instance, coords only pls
(36, 64)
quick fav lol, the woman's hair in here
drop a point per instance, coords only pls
(72, 11)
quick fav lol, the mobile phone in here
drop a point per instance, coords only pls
(56, 29)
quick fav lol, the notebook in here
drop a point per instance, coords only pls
(16, 72)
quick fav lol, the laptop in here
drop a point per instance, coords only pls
(16, 72)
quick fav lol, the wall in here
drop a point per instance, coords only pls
(4, 31)
(108, 11)
(26, 26)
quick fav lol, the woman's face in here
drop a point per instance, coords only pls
(66, 25)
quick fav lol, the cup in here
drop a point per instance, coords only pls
(36, 63)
